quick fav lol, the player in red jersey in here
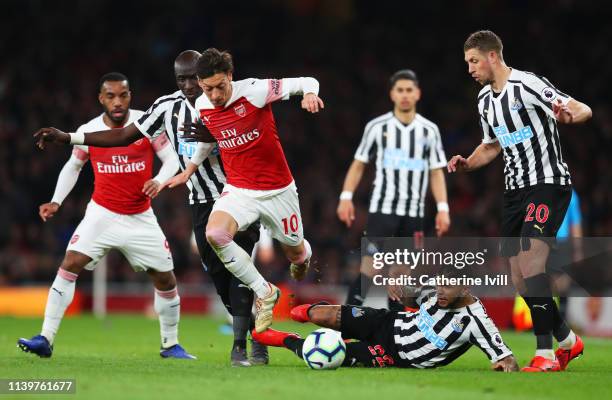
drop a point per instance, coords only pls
(119, 216)
(259, 186)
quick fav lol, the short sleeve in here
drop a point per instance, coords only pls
(151, 123)
(543, 93)
(437, 157)
(366, 146)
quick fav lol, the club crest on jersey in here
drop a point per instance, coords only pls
(74, 239)
(357, 312)
(548, 94)
(240, 110)
(457, 326)
(516, 105)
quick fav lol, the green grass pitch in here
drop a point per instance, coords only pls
(117, 358)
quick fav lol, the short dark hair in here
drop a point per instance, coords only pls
(484, 41)
(407, 74)
(213, 61)
(113, 77)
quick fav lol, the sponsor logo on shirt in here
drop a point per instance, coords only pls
(232, 138)
(120, 164)
(507, 139)
(425, 323)
(398, 159)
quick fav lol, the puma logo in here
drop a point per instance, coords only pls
(542, 306)
(233, 260)
(541, 229)
(176, 115)
(60, 293)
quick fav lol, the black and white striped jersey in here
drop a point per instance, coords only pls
(521, 119)
(434, 336)
(404, 157)
(169, 113)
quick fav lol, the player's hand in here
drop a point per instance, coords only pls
(562, 112)
(312, 103)
(50, 135)
(47, 210)
(151, 188)
(457, 164)
(442, 222)
(175, 181)
(196, 132)
(507, 364)
(346, 212)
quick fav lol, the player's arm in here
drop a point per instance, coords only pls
(574, 112)
(170, 164)
(346, 208)
(202, 152)
(438, 190)
(482, 155)
(65, 183)
(436, 163)
(485, 335)
(282, 89)
(107, 138)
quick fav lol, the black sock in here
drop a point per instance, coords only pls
(542, 308)
(560, 328)
(241, 327)
(358, 290)
(294, 344)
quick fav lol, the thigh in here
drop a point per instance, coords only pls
(95, 235)
(210, 260)
(382, 225)
(513, 214)
(242, 208)
(145, 245)
(281, 215)
(545, 208)
(410, 226)
(362, 323)
(366, 354)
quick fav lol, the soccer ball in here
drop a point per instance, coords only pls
(324, 349)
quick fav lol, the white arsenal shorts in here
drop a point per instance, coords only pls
(138, 237)
(278, 210)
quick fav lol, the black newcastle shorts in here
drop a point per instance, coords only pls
(374, 329)
(532, 212)
(390, 225)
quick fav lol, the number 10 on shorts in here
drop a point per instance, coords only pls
(290, 223)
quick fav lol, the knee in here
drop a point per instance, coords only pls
(164, 281)
(72, 264)
(298, 255)
(218, 237)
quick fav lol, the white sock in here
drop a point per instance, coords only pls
(546, 353)
(242, 267)
(60, 296)
(167, 305)
(568, 342)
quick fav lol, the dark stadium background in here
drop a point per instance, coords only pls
(55, 52)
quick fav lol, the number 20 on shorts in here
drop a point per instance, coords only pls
(290, 223)
(541, 213)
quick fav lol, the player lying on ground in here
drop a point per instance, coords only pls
(446, 325)
(519, 115)
(167, 114)
(119, 216)
(260, 186)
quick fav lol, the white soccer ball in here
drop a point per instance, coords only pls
(324, 349)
